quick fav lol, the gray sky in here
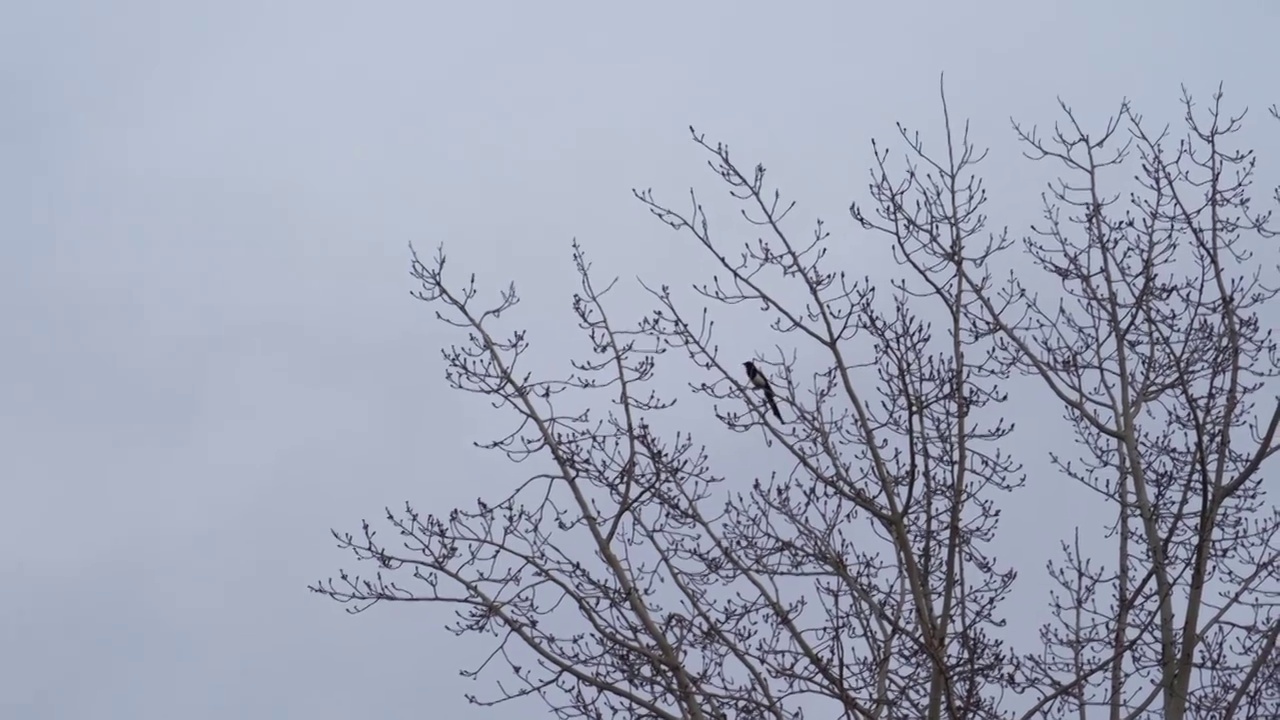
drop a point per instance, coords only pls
(210, 356)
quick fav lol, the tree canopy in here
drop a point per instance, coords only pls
(617, 573)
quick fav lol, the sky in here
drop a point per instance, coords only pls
(210, 355)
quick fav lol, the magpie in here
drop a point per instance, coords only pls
(760, 382)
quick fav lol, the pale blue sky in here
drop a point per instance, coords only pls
(210, 356)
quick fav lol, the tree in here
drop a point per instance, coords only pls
(622, 576)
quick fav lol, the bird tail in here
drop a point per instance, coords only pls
(773, 405)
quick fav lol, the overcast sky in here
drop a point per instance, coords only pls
(209, 352)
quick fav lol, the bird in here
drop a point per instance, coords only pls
(760, 382)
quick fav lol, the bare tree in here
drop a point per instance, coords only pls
(620, 575)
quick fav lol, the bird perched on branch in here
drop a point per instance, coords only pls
(760, 382)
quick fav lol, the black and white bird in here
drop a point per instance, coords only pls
(760, 382)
